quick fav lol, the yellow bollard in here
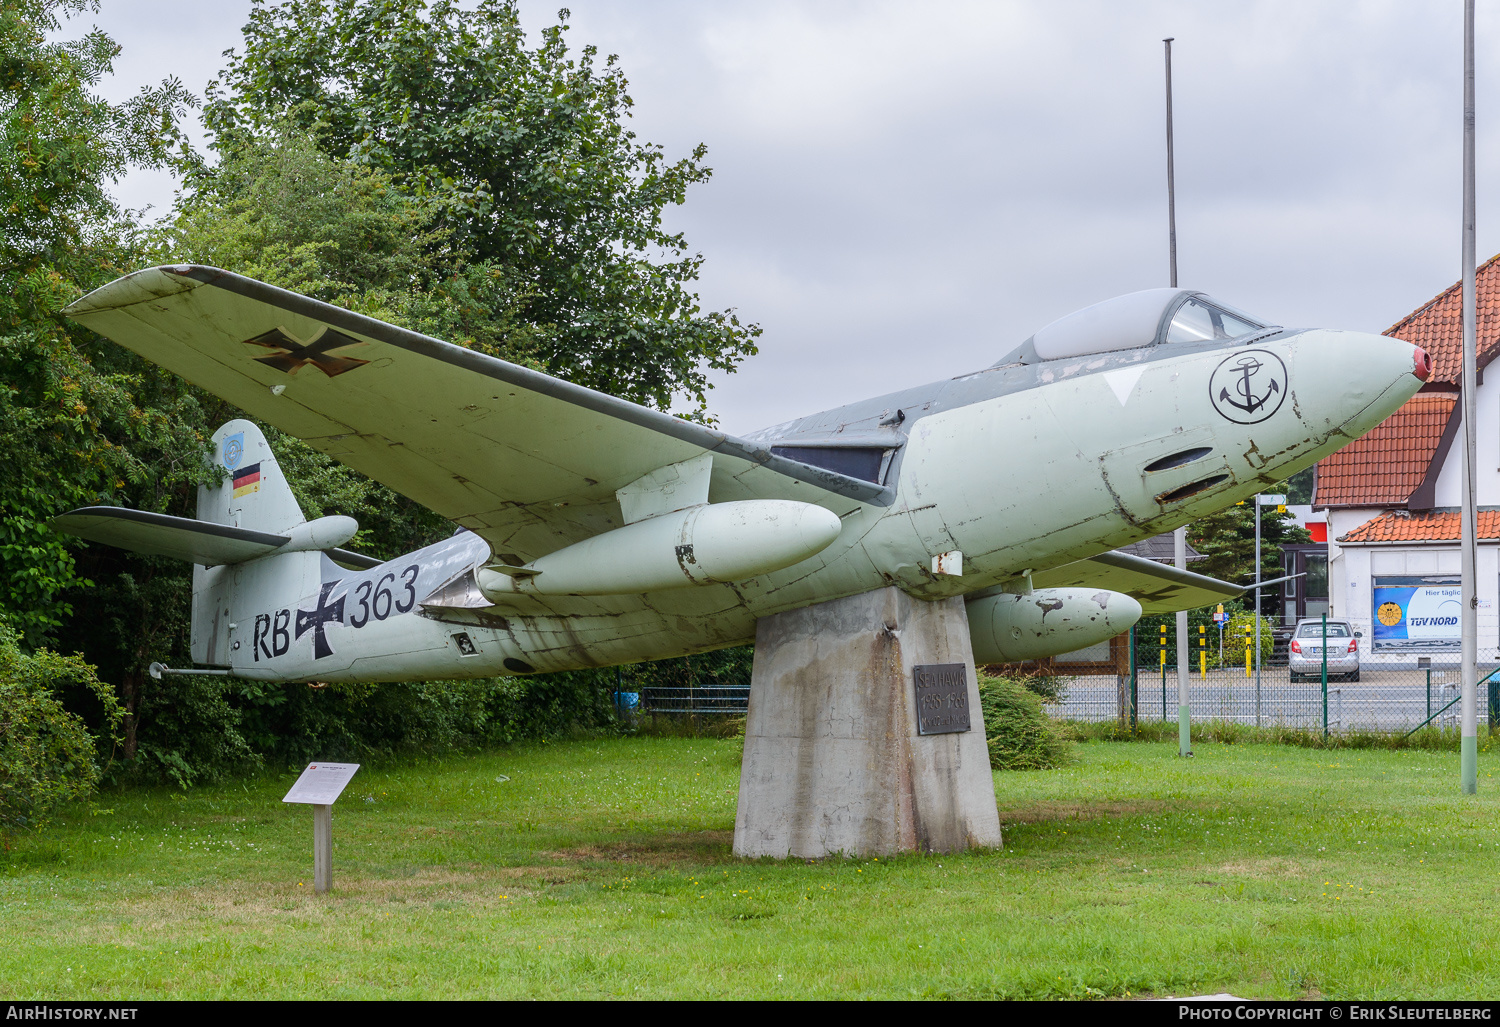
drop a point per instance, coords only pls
(1164, 645)
(1247, 650)
(1202, 652)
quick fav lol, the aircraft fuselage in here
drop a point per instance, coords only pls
(1019, 468)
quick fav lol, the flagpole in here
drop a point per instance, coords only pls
(1469, 760)
(1179, 537)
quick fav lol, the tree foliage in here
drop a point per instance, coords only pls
(280, 210)
(437, 174)
(543, 203)
(47, 756)
(73, 429)
(1227, 540)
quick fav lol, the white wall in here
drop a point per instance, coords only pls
(1341, 522)
(1487, 446)
(1351, 567)
(1350, 597)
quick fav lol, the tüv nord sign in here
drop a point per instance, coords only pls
(1416, 614)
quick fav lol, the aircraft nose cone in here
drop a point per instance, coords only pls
(1351, 381)
(1421, 364)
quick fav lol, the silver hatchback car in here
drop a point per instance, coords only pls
(1305, 650)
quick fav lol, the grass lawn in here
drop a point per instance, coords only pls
(602, 869)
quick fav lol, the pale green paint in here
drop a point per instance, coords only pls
(1469, 761)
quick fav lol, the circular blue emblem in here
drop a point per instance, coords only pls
(234, 449)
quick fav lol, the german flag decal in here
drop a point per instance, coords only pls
(247, 480)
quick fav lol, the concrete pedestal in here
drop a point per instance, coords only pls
(833, 761)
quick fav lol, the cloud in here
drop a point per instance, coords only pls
(903, 192)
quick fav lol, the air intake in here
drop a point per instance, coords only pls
(1187, 456)
(1176, 495)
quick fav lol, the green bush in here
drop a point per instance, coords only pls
(1051, 689)
(1235, 638)
(1020, 734)
(218, 727)
(1148, 638)
(47, 756)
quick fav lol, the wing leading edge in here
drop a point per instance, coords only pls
(529, 462)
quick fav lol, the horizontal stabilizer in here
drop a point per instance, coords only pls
(183, 538)
(352, 561)
(1156, 586)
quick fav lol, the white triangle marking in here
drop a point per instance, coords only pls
(1121, 382)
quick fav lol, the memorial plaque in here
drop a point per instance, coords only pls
(942, 698)
(321, 783)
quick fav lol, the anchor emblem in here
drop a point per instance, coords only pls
(1248, 387)
(1248, 365)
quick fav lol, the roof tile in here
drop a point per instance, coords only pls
(1437, 326)
(1385, 466)
(1434, 526)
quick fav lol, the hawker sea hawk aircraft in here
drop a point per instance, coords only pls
(601, 532)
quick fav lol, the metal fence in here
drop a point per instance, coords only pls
(1386, 698)
(707, 700)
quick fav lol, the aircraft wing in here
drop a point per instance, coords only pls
(1157, 587)
(529, 462)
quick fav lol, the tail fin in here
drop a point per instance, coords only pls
(254, 494)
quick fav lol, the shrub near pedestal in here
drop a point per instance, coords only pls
(1020, 734)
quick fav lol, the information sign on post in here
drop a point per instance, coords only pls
(319, 787)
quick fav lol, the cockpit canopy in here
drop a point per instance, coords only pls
(1137, 319)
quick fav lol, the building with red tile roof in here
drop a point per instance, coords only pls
(1392, 496)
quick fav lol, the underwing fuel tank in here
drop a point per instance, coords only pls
(718, 542)
(1007, 628)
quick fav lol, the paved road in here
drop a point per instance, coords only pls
(1385, 700)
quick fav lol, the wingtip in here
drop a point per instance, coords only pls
(139, 286)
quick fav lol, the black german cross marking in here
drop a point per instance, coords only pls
(318, 352)
(315, 619)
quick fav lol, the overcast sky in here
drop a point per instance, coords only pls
(903, 192)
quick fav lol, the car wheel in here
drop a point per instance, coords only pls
(1354, 676)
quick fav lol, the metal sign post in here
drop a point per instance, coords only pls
(1184, 711)
(319, 787)
(1221, 618)
(1258, 501)
(1325, 677)
(1263, 499)
(1163, 673)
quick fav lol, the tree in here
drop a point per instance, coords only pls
(532, 177)
(72, 430)
(281, 210)
(1227, 539)
(588, 285)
